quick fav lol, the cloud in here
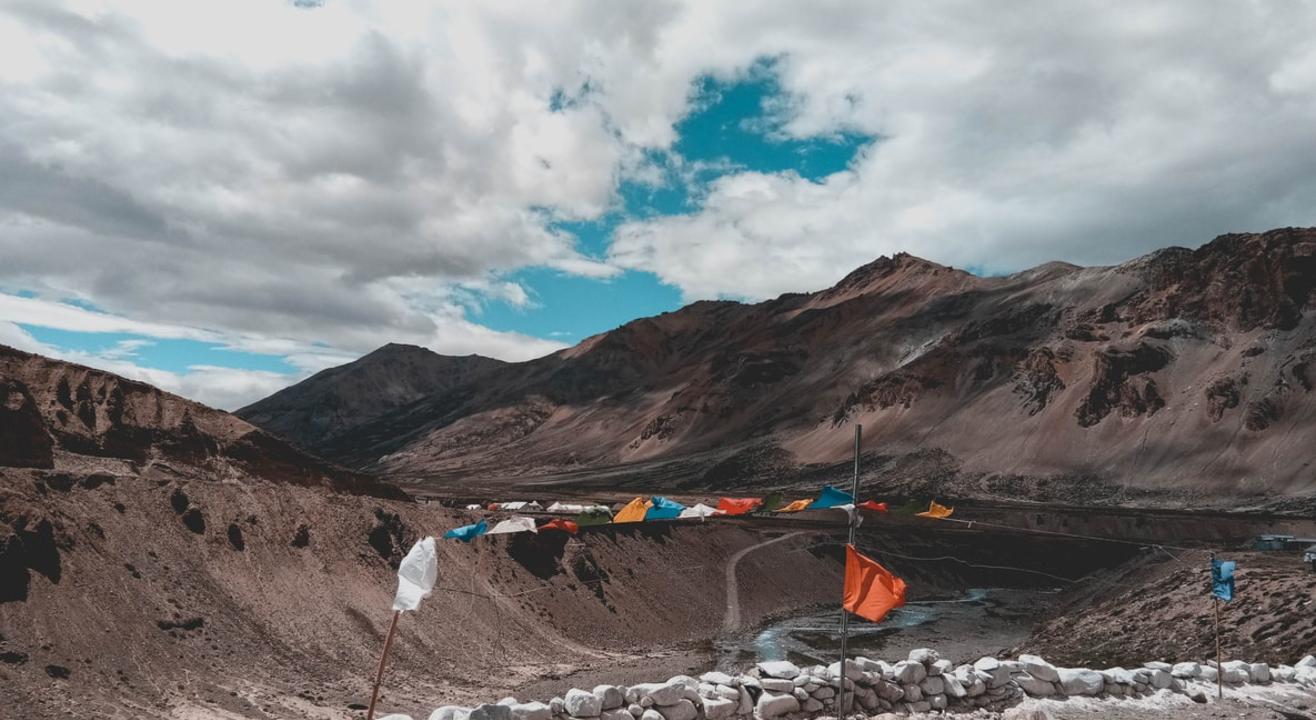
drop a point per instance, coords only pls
(1009, 139)
(220, 387)
(325, 179)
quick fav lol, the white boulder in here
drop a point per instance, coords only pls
(1259, 672)
(772, 705)
(907, 672)
(783, 669)
(1039, 668)
(682, 710)
(582, 704)
(1081, 681)
(1186, 670)
(531, 711)
(450, 712)
(610, 696)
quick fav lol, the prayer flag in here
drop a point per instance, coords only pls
(663, 509)
(514, 525)
(560, 524)
(871, 591)
(737, 506)
(633, 512)
(416, 575)
(936, 510)
(796, 506)
(467, 533)
(595, 515)
(873, 505)
(1222, 579)
(699, 510)
(831, 497)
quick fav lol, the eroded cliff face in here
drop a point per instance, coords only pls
(1183, 371)
(69, 417)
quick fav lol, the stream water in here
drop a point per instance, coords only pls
(981, 622)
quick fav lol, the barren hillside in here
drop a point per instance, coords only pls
(1184, 374)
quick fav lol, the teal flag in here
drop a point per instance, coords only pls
(664, 509)
(831, 497)
(1222, 579)
(467, 533)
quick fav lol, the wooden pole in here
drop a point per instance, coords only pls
(845, 615)
(379, 672)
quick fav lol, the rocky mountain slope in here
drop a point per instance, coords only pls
(319, 409)
(78, 423)
(1184, 373)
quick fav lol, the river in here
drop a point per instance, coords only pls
(981, 622)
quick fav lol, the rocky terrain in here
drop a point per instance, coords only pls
(1181, 377)
(921, 684)
(320, 409)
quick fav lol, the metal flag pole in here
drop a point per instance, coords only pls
(845, 614)
(1219, 671)
(379, 673)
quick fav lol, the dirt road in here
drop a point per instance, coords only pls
(731, 621)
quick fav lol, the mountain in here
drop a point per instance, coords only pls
(1184, 375)
(80, 424)
(335, 401)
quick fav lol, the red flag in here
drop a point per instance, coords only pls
(560, 524)
(871, 591)
(873, 505)
(737, 506)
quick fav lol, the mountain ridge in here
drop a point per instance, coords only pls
(1135, 375)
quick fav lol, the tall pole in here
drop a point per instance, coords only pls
(1219, 671)
(845, 615)
(379, 672)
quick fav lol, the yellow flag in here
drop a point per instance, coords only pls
(937, 510)
(633, 512)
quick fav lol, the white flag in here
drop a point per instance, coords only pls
(514, 525)
(416, 575)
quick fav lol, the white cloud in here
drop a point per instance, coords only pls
(1079, 133)
(317, 182)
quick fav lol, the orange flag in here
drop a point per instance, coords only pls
(936, 510)
(871, 591)
(796, 506)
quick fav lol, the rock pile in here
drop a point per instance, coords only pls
(920, 683)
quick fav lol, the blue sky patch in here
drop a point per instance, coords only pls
(173, 355)
(734, 126)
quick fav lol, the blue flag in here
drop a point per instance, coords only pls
(467, 533)
(1222, 579)
(664, 509)
(831, 497)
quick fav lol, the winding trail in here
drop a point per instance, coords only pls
(731, 621)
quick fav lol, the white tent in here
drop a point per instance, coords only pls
(514, 525)
(515, 505)
(700, 511)
(473, 507)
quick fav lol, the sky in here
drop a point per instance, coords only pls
(224, 198)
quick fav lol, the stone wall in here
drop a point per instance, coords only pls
(923, 682)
